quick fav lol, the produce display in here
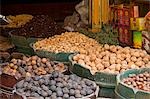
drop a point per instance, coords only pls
(140, 81)
(55, 86)
(113, 59)
(31, 66)
(17, 21)
(40, 26)
(68, 42)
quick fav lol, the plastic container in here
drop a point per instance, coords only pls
(123, 91)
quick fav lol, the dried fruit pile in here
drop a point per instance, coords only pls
(40, 26)
(56, 86)
(140, 81)
(68, 42)
(17, 21)
(31, 66)
(113, 59)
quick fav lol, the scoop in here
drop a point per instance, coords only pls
(4, 20)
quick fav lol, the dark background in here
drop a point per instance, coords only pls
(35, 1)
(58, 9)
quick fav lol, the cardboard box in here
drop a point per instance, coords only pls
(140, 23)
(133, 24)
(125, 35)
(128, 36)
(137, 39)
(120, 15)
(135, 11)
(137, 24)
(121, 34)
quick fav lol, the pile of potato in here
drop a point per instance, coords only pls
(140, 81)
(31, 66)
(56, 86)
(68, 42)
(113, 59)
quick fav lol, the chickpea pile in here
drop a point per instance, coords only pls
(68, 42)
(140, 81)
(31, 66)
(113, 59)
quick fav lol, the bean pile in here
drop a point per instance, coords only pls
(56, 86)
(32, 66)
(140, 81)
(113, 59)
(68, 42)
(41, 26)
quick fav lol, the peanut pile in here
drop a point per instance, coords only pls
(140, 81)
(68, 42)
(113, 59)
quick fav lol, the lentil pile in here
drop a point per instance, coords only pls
(56, 86)
(140, 81)
(40, 26)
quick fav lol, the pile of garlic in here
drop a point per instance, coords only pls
(68, 42)
(114, 59)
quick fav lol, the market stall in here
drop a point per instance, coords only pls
(88, 49)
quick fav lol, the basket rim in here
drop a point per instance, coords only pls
(11, 35)
(73, 63)
(119, 81)
(37, 50)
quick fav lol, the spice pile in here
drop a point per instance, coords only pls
(68, 42)
(56, 86)
(40, 26)
(113, 59)
(31, 66)
(140, 81)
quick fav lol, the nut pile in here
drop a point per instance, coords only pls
(114, 59)
(40, 26)
(32, 66)
(55, 86)
(68, 42)
(140, 81)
